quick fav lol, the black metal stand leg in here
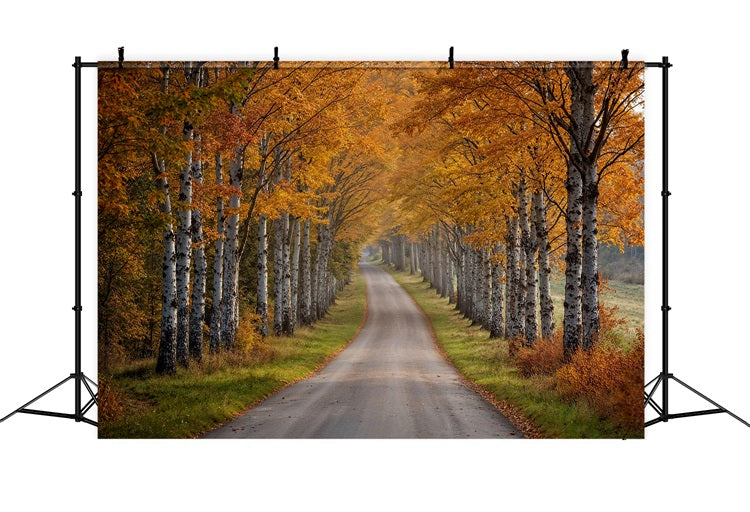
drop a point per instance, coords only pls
(23, 409)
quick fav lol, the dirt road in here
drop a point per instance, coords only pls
(391, 382)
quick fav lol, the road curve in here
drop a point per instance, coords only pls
(390, 382)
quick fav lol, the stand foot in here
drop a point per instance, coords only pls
(78, 415)
(649, 401)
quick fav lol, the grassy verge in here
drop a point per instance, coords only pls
(200, 398)
(485, 362)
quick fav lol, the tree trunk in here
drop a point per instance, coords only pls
(444, 270)
(229, 299)
(449, 277)
(402, 252)
(305, 307)
(545, 298)
(183, 251)
(436, 269)
(294, 268)
(487, 289)
(461, 278)
(511, 286)
(261, 303)
(215, 335)
(198, 306)
(572, 315)
(589, 200)
(496, 324)
(528, 237)
(286, 284)
(166, 361)
(412, 259)
(479, 305)
(279, 233)
(321, 271)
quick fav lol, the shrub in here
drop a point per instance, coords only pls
(611, 325)
(543, 358)
(110, 402)
(610, 379)
(248, 337)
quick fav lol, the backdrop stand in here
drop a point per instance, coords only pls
(78, 376)
(665, 376)
(650, 388)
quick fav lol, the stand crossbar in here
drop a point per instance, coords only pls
(665, 376)
(78, 376)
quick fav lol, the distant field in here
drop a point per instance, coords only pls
(627, 297)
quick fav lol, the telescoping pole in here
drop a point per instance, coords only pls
(665, 238)
(77, 193)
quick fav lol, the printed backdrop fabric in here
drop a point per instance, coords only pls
(371, 249)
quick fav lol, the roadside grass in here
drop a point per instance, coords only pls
(485, 362)
(200, 398)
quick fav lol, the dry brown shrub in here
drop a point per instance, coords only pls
(610, 379)
(109, 401)
(542, 358)
(610, 324)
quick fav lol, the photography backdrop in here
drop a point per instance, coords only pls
(236, 200)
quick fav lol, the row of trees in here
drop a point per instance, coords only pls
(234, 198)
(508, 173)
(263, 159)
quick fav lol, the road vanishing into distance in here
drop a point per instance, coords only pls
(390, 382)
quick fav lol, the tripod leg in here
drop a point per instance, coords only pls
(653, 390)
(93, 395)
(90, 422)
(66, 379)
(91, 381)
(704, 397)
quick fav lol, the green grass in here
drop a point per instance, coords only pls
(485, 362)
(197, 400)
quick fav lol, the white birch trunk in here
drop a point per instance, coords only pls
(574, 186)
(511, 286)
(589, 202)
(546, 306)
(261, 304)
(198, 302)
(294, 315)
(215, 334)
(486, 289)
(478, 289)
(229, 299)
(449, 264)
(305, 308)
(496, 324)
(286, 282)
(183, 252)
(166, 361)
(278, 275)
(528, 238)
(412, 259)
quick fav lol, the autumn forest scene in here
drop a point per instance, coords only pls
(370, 249)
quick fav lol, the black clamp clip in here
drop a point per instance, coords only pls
(275, 57)
(120, 55)
(450, 57)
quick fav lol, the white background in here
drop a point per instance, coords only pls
(689, 464)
